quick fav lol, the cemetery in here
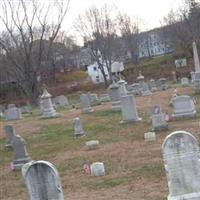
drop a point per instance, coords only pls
(124, 160)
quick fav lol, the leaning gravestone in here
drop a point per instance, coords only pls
(42, 181)
(21, 156)
(10, 133)
(46, 105)
(182, 165)
(185, 82)
(13, 113)
(129, 110)
(183, 107)
(85, 103)
(78, 128)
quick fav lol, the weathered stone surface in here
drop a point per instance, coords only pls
(78, 128)
(10, 133)
(185, 82)
(97, 169)
(150, 136)
(182, 165)
(129, 110)
(85, 104)
(42, 181)
(183, 107)
(13, 113)
(20, 152)
(47, 108)
(163, 83)
(122, 87)
(61, 101)
(92, 144)
(158, 122)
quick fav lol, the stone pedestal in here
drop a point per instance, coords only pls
(114, 91)
(129, 110)
(46, 105)
(122, 87)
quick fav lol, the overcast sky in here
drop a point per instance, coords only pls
(150, 12)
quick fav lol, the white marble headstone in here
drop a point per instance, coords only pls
(42, 181)
(182, 165)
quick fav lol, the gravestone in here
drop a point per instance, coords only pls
(42, 181)
(21, 156)
(136, 89)
(47, 108)
(114, 92)
(61, 101)
(197, 68)
(183, 107)
(13, 113)
(92, 144)
(185, 82)
(85, 104)
(153, 86)
(145, 89)
(192, 74)
(150, 136)
(93, 97)
(174, 77)
(97, 169)
(181, 160)
(163, 83)
(78, 129)
(103, 98)
(159, 122)
(10, 133)
(122, 87)
(129, 109)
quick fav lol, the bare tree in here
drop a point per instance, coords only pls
(98, 28)
(29, 38)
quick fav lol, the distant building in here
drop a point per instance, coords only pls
(154, 43)
(95, 73)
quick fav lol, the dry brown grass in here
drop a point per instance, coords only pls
(134, 168)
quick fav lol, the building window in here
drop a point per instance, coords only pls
(94, 68)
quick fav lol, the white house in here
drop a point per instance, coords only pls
(95, 73)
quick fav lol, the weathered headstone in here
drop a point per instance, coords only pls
(61, 101)
(174, 77)
(10, 133)
(183, 107)
(159, 122)
(42, 181)
(150, 136)
(163, 83)
(78, 128)
(97, 169)
(182, 165)
(20, 152)
(13, 113)
(85, 104)
(192, 74)
(197, 68)
(136, 89)
(122, 87)
(185, 82)
(46, 105)
(153, 86)
(114, 92)
(92, 144)
(129, 109)
(145, 89)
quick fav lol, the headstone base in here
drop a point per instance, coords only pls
(192, 196)
(49, 114)
(129, 121)
(116, 106)
(17, 164)
(87, 110)
(160, 128)
(184, 115)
